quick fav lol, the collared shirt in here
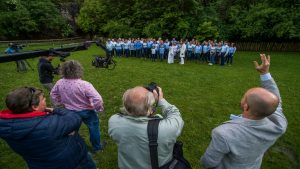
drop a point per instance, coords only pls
(77, 94)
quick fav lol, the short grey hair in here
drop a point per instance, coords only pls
(71, 70)
(135, 107)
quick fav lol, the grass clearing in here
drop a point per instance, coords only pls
(205, 95)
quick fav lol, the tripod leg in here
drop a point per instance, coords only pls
(29, 65)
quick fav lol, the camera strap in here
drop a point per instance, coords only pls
(152, 130)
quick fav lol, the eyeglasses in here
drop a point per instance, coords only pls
(32, 91)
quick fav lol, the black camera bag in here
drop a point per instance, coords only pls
(178, 161)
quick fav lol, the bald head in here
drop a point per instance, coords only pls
(259, 102)
(138, 101)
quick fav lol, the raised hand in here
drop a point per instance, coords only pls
(263, 68)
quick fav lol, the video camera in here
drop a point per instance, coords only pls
(104, 62)
(16, 46)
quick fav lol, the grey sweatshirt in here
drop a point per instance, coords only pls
(241, 143)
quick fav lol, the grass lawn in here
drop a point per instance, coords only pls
(205, 95)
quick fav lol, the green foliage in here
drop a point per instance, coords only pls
(11, 16)
(117, 29)
(67, 30)
(207, 31)
(235, 20)
(153, 29)
(91, 17)
(30, 18)
(205, 95)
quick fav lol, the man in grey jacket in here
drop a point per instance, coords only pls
(241, 142)
(129, 128)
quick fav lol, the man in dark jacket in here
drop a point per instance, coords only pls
(45, 138)
(46, 72)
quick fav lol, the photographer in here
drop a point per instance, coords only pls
(15, 48)
(129, 128)
(46, 71)
(45, 138)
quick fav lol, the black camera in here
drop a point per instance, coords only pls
(152, 86)
(17, 46)
(104, 62)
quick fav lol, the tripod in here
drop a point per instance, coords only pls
(22, 65)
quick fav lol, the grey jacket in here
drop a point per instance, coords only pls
(241, 143)
(130, 134)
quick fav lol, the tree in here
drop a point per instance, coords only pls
(30, 19)
(207, 31)
(91, 17)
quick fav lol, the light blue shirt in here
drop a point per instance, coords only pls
(198, 49)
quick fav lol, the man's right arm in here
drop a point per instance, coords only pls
(269, 84)
(172, 121)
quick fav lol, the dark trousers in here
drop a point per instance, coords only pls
(126, 52)
(222, 59)
(229, 58)
(153, 57)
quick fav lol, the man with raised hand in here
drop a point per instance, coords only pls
(242, 141)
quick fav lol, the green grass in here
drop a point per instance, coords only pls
(205, 95)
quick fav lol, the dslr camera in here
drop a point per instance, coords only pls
(152, 86)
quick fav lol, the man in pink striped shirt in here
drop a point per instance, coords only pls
(80, 96)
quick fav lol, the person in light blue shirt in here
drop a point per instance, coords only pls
(193, 56)
(145, 49)
(218, 52)
(167, 46)
(189, 50)
(138, 46)
(153, 52)
(109, 47)
(118, 48)
(223, 53)
(213, 50)
(132, 48)
(149, 46)
(206, 52)
(173, 41)
(161, 52)
(198, 50)
(126, 48)
(156, 45)
(231, 52)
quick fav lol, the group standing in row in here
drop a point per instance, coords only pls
(211, 52)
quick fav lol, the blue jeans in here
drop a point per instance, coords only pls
(87, 163)
(91, 120)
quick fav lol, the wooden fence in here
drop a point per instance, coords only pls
(41, 41)
(268, 46)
